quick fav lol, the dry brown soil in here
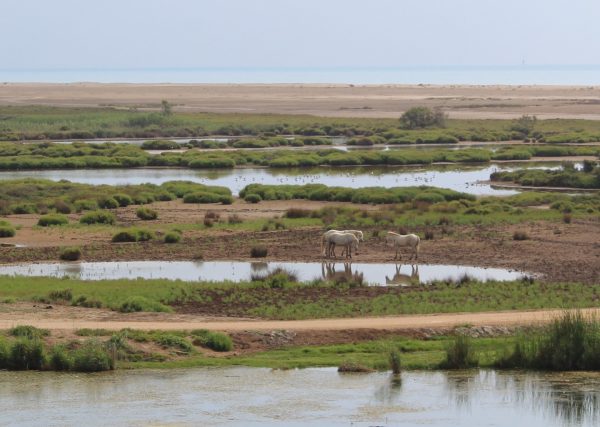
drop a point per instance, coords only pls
(461, 101)
(556, 251)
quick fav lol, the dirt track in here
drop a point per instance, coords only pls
(484, 102)
(161, 322)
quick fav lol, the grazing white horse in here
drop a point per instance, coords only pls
(347, 240)
(324, 238)
(400, 240)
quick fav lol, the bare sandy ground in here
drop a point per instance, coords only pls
(483, 102)
(71, 318)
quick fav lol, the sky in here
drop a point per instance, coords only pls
(125, 34)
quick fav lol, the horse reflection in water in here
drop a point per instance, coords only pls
(404, 279)
(343, 276)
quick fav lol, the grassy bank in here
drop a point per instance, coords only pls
(40, 122)
(568, 177)
(17, 156)
(23, 196)
(279, 297)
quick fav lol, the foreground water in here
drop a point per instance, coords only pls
(375, 274)
(261, 397)
(459, 178)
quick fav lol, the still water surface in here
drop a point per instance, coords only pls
(375, 274)
(458, 178)
(239, 396)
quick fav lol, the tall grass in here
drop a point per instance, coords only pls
(571, 342)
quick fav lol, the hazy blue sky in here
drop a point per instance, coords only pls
(302, 33)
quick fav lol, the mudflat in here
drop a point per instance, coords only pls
(330, 100)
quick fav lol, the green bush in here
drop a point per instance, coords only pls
(70, 253)
(172, 237)
(97, 217)
(24, 208)
(253, 198)
(7, 230)
(146, 214)
(202, 197)
(125, 236)
(27, 331)
(92, 357)
(123, 199)
(420, 117)
(160, 144)
(60, 295)
(108, 203)
(60, 359)
(133, 235)
(216, 341)
(175, 341)
(143, 198)
(52, 219)
(139, 303)
(26, 353)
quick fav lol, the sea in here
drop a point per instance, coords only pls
(441, 75)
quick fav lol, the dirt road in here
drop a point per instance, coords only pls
(161, 322)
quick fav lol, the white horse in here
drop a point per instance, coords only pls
(324, 238)
(347, 240)
(400, 240)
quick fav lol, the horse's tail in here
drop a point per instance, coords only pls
(322, 240)
(418, 245)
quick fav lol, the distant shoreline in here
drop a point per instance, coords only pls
(319, 99)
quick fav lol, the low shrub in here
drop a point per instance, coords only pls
(72, 253)
(61, 207)
(92, 356)
(27, 331)
(108, 203)
(52, 219)
(202, 197)
(133, 235)
(60, 359)
(60, 295)
(216, 341)
(146, 214)
(208, 222)
(7, 230)
(567, 218)
(172, 237)
(253, 198)
(97, 217)
(26, 353)
(175, 341)
(123, 199)
(258, 252)
(139, 303)
(429, 235)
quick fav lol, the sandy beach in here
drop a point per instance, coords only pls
(335, 100)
